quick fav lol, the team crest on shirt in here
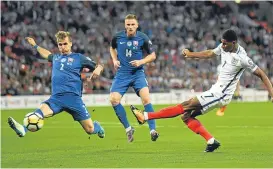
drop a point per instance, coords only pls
(70, 60)
(135, 43)
(234, 61)
(129, 43)
(251, 64)
(63, 59)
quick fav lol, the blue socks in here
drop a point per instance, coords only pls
(121, 113)
(149, 108)
(39, 111)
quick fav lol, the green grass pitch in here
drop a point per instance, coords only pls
(245, 132)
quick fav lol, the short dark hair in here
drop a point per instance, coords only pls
(229, 35)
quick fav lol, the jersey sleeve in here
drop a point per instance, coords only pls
(87, 62)
(148, 45)
(50, 57)
(217, 50)
(114, 42)
(248, 63)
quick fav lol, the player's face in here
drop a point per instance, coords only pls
(131, 26)
(65, 45)
(227, 46)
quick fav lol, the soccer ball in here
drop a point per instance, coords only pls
(33, 121)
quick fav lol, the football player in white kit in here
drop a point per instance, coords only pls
(221, 110)
(234, 61)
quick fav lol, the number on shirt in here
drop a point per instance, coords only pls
(128, 53)
(62, 66)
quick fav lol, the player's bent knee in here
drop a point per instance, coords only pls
(191, 105)
(115, 99)
(186, 116)
(46, 110)
(146, 101)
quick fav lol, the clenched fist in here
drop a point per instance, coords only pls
(31, 41)
(185, 52)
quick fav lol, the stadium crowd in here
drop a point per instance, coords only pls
(171, 26)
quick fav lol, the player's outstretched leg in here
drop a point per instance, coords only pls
(19, 129)
(168, 112)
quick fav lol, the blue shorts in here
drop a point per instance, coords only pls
(70, 103)
(122, 82)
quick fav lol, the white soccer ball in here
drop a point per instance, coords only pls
(33, 121)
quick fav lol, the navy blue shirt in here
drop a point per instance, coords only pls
(131, 48)
(66, 72)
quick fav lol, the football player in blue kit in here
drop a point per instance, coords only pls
(127, 49)
(66, 85)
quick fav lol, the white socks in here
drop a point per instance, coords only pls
(145, 115)
(152, 131)
(128, 129)
(211, 141)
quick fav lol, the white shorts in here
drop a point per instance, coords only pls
(213, 99)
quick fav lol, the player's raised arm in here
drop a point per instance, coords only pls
(201, 55)
(250, 65)
(43, 52)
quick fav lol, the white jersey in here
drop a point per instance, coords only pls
(232, 67)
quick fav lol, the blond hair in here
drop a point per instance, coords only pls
(131, 16)
(61, 35)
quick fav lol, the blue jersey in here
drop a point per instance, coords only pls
(131, 48)
(66, 72)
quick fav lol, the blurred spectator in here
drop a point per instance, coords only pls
(170, 25)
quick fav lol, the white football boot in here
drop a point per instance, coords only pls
(17, 127)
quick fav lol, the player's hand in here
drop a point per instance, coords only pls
(185, 52)
(116, 64)
(272, 99)
(31, 41)
(96, 73)
(136, 63)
